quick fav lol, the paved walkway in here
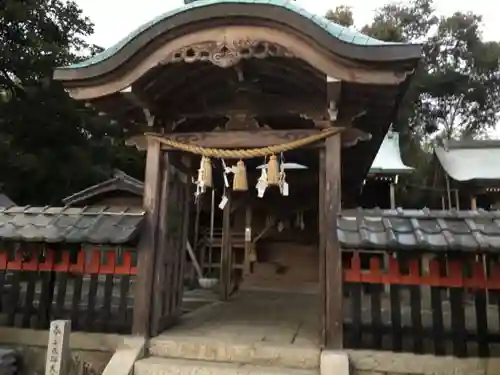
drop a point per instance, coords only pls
(251, 316)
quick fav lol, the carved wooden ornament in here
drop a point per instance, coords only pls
(227, 53)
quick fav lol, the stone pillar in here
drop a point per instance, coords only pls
(58, 360)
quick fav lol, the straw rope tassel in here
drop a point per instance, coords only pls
(273, 171)
(240, 182)
(207, 172)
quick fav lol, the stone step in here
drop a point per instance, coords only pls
(303, 356)
(169, 366)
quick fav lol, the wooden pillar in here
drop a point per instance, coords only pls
(473, 203)
(248, 237)
(392, 191)
(147, 244)
(322, 242)
(162, 249)
(457, 199)
(332, 252)
(185, 231)
(226, 251)
(448, 192)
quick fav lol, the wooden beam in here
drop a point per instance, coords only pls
(333, 256)
(147, 246)
(141, 103)
(260, 105)
(249, 138)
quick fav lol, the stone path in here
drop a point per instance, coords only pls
(281, 318)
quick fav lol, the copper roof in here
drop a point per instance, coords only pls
(388, 159)
(470, 160)
(346, 41)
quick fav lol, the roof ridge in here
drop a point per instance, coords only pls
(424, 213)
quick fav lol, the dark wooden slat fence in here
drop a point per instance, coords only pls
(93, 289)
(448, 305)
(443, 304)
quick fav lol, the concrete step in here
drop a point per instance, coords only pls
(169, 366)
(303, 356)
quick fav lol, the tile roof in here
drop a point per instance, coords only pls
(424, 230)
(119, 182)
(470, 231)
(97, 225)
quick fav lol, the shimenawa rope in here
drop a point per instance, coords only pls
(244, 153)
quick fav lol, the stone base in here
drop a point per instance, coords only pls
(367, 362)
(168, 366)
(235, 351)
(334, 363)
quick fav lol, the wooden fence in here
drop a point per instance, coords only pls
(92, 288)
(448, 305)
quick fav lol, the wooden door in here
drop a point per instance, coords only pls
(172, 237)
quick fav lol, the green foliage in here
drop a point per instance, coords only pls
(50, 145)
(403, 22)
(341, 15)
(456, 89)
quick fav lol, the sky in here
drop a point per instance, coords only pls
(114, 19)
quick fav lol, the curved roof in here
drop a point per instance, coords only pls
(339, 39)
(470, 160)
(120, 182)
(5, 201)
(388, 159)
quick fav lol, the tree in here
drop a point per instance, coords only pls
(50, 145)
(341, 15)
(399, 22)
(455, 90)
(462, 95)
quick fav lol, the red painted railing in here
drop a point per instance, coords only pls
(91, 287)
(454, 277)
(448, 305)
(102, 262)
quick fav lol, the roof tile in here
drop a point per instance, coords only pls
(100, 225)
(470, 231)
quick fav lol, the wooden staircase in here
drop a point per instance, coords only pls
(209, 251)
